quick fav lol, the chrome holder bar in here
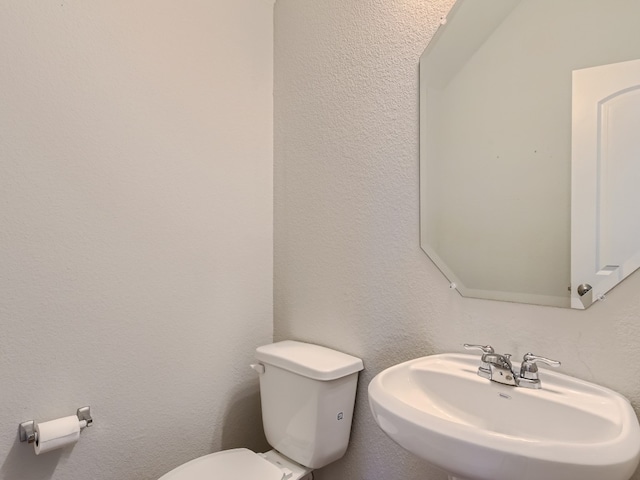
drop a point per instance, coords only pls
(28, 432)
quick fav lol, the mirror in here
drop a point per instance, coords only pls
(496, 113)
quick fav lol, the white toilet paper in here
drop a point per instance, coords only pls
(56, 434)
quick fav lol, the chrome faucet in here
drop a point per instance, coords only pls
(498, 368)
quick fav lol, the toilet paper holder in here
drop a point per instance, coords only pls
(28, 429)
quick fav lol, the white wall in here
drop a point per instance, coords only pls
(135, 229)
(349, 272)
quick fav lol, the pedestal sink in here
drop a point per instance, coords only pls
(438, 408)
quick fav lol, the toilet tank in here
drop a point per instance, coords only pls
(307, 394)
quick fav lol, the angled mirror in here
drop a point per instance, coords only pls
(500, 112)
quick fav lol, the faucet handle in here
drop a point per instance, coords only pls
(529, 369)
(530, 360)
(484, 370)
(483, 348)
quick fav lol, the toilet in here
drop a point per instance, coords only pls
(307, 394)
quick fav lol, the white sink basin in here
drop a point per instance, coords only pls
(438, 408)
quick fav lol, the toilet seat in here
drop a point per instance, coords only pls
(236, 464)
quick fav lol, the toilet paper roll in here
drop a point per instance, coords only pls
(56, 434)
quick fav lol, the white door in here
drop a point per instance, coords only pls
(605, 185)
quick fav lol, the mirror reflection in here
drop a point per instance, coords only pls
(496, 145)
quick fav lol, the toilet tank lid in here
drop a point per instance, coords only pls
(306, 359)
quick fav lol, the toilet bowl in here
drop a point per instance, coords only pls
(307, 395)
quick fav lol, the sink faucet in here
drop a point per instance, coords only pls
(498, 368)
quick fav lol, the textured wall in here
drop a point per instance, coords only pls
(349, 273)
(135, 229)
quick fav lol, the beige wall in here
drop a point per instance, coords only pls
(349, 272)
(135, 229)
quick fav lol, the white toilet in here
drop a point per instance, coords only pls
(307, 393)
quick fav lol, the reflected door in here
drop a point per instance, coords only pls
(605, 230)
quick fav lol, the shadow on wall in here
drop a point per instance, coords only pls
(242, 425)
(22, 462)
